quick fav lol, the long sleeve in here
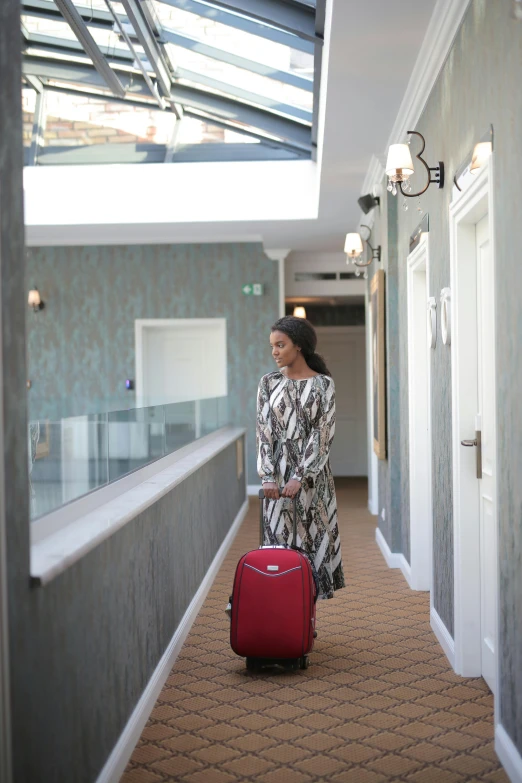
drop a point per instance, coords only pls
(265, 454)
(317, 449)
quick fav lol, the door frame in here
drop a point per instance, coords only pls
(420, 439)
(142, 324)
(464, 214)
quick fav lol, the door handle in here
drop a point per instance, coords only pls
(478, 443)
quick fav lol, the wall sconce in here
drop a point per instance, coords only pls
(34, 300)
(474, 161)
(299, 312)
(399, 168)
(353, 247)
(368, 202)
(481, 153)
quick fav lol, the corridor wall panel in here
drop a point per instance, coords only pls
(81, 348)
(479, 85)
(89, 641)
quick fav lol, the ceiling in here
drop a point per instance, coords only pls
(373, 49)
(370, 53)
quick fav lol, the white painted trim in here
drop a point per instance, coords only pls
(141, 324)
(53, 555)
(471, 205)
(444, 25)
(393, 559)
(419, 383)
(119, 758)
(253, 490)
(279, 255)
(508, 754)
(444, 637)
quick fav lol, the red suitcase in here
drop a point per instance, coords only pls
(273, 605)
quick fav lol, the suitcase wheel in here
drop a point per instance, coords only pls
(252, 664)
(304, 662)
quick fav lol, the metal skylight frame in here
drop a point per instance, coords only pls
(301, 26)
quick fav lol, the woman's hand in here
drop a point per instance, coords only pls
(292, 488)
(271, 490)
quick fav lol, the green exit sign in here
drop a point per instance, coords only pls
(253, 289)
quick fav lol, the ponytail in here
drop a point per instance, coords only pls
(317, 364)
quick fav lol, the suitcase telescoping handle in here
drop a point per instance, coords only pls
(262, 522)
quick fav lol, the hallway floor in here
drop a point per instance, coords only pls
(379, 701)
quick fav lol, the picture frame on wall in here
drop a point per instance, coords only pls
(378, 349)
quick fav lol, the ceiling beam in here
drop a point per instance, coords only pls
(207, 118)
(146, 38)
(41, 45)
(292, 17)
(220, 106)
(46, 9)
(145, 152)
(83, 34)
(200, 47)
(244, 23)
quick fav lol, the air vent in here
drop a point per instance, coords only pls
(305, 277)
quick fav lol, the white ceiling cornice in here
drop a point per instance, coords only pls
(443, 27)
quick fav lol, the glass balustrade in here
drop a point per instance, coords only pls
(71, 457)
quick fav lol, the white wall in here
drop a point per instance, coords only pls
(160, 198)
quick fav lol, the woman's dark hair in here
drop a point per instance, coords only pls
(302, 333)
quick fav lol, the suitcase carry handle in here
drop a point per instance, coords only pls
(262, 523)
(294, 537)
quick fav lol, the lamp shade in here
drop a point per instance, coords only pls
(34, 299)
(353, 246)
(481, 153)
(299, 312)
(399, 158)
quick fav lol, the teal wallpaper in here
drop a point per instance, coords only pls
(80, 348)
(479, 85)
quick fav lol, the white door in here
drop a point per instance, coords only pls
(486, 423)
(344, 351)
(180, 360)
(419, 421)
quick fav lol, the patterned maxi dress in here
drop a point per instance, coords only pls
(295, 428)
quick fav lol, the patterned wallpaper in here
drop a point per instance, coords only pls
(80, 348)
(478, 86)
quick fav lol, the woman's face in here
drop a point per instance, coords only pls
(284, 351)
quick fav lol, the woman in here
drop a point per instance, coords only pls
(295, 428)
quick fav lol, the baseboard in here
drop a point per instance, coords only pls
(119, 758)
(253, 489)
(393, 559)
(373, 507)
(444, 637)
(508, 754)
(406, 570)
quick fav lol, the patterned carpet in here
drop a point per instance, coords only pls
(378, 703)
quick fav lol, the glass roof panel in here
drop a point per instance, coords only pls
(210, 56)
(277, 91)
(58, 29)
(230, 39)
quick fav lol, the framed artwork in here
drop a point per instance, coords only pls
(378, 333)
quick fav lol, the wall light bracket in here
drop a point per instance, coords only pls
(34, 300)
(399, 168)
(376, 251)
